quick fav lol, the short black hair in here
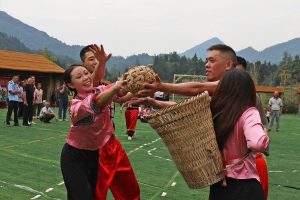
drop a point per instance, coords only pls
(83, 51)
(224, 49)
(15, 76)
(241, 61)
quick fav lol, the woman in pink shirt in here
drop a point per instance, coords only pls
(91, 130)
(240, 135)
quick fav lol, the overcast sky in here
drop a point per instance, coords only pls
(127, 27)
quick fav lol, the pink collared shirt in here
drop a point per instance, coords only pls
(90, 128)
(248, 135)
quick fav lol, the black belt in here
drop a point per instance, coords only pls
(132, 108)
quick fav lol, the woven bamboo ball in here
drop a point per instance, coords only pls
(137, 76)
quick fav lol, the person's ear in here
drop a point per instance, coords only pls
(70, 85)
(229, 65)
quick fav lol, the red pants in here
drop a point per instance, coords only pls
(115, 173)
(131, 116)
(261, 167)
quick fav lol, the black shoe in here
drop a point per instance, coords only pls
(26, 124)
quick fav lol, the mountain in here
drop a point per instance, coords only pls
(201, 49)
(272, 54)
(34, 38)
(37, 41)
(12, 43)
(121, 64)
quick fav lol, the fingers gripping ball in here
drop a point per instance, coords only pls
(137, 76)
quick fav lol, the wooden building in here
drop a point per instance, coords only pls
(24, 64)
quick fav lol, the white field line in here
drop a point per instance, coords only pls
(47, 129)
(49, 190)
(154, 149)
(32, 141)
(23, 187)
(146, 144)
(37, 193)
(166, 186)
(36, 196)
(61, 183)
(163, 194)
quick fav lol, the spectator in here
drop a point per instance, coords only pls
(267, 111)
(28, 101)
(21, 98)
(1, 97)
(275, 104)
(63, 93)
(13, 100)
(1, 93)
(46, 113)
(38, 100)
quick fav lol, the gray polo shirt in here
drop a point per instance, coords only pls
(275, 104)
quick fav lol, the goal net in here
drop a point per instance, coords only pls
(182, 78)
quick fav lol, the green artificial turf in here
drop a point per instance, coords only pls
(29, 161)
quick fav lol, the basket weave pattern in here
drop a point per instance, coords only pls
(187, 130)
(137, 76)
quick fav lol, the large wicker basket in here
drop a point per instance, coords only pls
(187, 130)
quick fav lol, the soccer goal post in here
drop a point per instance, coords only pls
(182, 78)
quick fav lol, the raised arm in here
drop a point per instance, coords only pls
(106, 96)
(94, 103)
(102, 58)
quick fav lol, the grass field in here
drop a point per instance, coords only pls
(29, 162)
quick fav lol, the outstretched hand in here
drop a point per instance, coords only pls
(150, 88)
(147, 101)
(121, 85)
(99, 53)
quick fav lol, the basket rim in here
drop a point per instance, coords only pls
(167, 109)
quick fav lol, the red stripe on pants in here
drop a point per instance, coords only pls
(115, 173)
(131, 117)
(261, 167)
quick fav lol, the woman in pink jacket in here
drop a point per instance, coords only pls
(92, 130)
(240, 135)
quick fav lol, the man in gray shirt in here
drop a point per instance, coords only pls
(275, 104)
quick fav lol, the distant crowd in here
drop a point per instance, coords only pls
(24, 100)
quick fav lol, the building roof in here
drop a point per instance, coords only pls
(268, 89)
(12, 60)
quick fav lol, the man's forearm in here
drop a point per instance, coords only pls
(188, 88)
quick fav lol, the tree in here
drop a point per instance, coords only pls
(47, 54)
